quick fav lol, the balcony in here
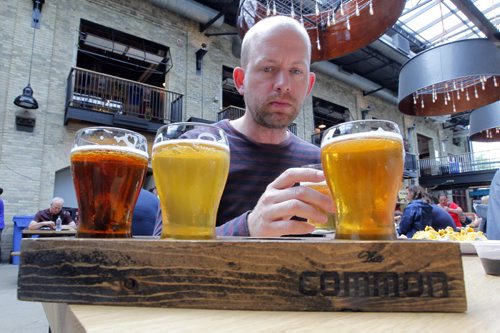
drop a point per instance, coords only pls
(112, 101)
(459, 171)
(233, 112)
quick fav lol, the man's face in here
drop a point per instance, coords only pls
(443, 201)
(55, 207)
(276, 78)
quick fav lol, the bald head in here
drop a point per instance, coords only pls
(269, 26)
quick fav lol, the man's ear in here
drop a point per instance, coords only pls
(238, 78)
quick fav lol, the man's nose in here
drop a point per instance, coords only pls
(282, 81)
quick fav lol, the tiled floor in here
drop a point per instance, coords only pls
(18, 316)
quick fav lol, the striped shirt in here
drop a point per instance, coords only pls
(252, 167)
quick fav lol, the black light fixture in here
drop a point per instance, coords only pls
(199, 56)
(450, 78)
(485, 123)
(26, 100)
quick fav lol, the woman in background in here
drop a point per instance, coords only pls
(418, 214)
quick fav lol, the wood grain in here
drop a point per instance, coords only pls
(251, 274)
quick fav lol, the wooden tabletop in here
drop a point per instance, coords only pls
(482, 316)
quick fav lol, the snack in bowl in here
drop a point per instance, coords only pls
(465, 234)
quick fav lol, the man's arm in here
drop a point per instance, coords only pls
(272, 215)
(34, 225)
(455, 209)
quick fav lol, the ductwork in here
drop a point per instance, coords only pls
(355, 80)
(190, 9)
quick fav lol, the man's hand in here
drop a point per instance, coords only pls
(272, 215)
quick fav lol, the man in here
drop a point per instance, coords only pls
(46, 218)
(260, 198)
(452, 208)
(493, 214)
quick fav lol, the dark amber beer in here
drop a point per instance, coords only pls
(363, 167)
(107, 180)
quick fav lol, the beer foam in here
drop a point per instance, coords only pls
(112, 148)
(191, 141)
(311, 183)
(378, 134)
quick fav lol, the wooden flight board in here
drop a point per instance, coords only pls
(300, 274)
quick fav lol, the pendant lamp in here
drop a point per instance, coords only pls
(26, 99)
(484, 123)
(450, 78)
(335, 27)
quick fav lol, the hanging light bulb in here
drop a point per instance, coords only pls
(317, 8)
(268, 10)
(274, 7)
(341, 8)
(318, 44)
(371, 7)
(292, 12)
(26, 99)
(357, 8)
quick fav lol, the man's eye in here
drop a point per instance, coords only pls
(268, 69)
(296, 71)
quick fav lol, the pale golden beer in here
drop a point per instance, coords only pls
(363, 165)
(108, 167)
(330, 225)
(190, 176)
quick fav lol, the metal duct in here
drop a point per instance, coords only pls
(190, 9)
(355, 80)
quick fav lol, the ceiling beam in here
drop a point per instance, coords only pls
(478, 18)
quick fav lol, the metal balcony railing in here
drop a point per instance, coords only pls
(468, 162)
(108, 94)
(233, 112)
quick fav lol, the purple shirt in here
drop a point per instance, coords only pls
(46, 215)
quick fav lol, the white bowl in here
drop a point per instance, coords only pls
(489, 253)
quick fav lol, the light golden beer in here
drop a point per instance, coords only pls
(364, 171)
(190, 176)
(330, 224)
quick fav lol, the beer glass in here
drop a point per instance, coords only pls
(363, 165)
(190, 168)
(329, 226)
(108, 167)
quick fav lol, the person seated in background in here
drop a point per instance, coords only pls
(418, 214)
(46, 218)
(493, 214)
(144, 215)
(482, 211)
(452, 208)
(398, 213)
(441, 219)
(467, 221)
